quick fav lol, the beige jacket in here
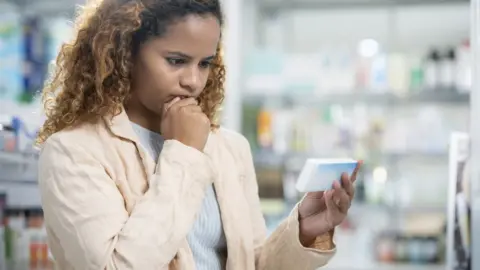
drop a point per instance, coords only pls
(109, 205)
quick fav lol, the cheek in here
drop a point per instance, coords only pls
(205, 76)
(157, 87)
(153, 98)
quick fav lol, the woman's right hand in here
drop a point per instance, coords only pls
(183, 120)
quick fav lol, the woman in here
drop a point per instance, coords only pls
(134, 172)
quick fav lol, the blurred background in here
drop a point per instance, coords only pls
(385, 81)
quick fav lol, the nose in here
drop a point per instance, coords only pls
(191, 79)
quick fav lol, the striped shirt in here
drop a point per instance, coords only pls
(206, 239)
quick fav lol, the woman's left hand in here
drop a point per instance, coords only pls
(320, 212)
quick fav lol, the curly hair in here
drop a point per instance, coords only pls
(92, 75)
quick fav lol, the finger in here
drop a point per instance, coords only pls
(336, 185)
(193, 108)
(348, 186)
(331, 206)
(353, 177)
(184, 102)
(169, 104)
(337, 188)
(342, 200)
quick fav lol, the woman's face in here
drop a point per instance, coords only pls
(176, 64)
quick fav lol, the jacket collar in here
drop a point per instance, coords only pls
(121, 126)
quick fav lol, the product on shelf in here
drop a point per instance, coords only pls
(11, 54)
(26, 239)
(432, 70)
(264, 129)
(341, 71)
(38, 249)
(35, 57)
(397, 247)
(464, 67)
(8, 139)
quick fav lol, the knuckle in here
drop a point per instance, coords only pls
(183, 110)
(175, 109)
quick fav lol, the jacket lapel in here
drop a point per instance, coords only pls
(229, 197)
(121, 127)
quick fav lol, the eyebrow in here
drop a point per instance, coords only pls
(180, 54)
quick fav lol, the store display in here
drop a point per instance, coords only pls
(458, 226)
(3, 254)
(35, 57)
(398, 72)
(447, 69)
(38, 248)
(25, 238)
(341, 71)
(27, 45)
(15, 235)
(382, 102)
(11, 54)
(397, 247)
(417, 74)
(8, 139)
(464, 67)
(264, 129)
(432, 70)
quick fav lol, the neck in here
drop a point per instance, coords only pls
(140, 115)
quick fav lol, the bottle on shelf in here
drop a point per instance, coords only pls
(417, 74)
(464, 72)
(447, 69)
(264, 128)
(432, 69)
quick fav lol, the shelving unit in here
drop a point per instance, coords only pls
(282, 21)
(18, 179)
(386, 267)
(441, 96)
(475, 134)
(276, 6)
(46, 7)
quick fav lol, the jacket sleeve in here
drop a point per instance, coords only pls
(86, 211)
(282, 250)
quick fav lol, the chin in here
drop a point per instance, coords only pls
(154, 111)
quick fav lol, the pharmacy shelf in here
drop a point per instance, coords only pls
(46, 7)
(272, 6)
(442, 155)
(18, 168)
(18, 181)
(380, 266)
(17, 158)
(413, 209)
(25, 265)
(438, 96)
(21, 196)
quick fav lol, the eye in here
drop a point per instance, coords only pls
(205, 64)
(175, 61)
